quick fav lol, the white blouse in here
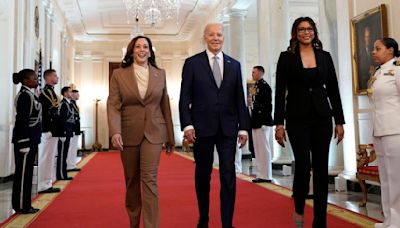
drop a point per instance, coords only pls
(142, 78)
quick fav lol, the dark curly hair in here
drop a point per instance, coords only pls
(128, 59)
(293, 44)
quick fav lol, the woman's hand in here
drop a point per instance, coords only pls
(339, 133)
(116, 141)
(280, 135)
(169, 148)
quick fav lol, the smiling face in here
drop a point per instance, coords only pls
(141, 52)
(214, 37)
(305, 33)
(381, 53)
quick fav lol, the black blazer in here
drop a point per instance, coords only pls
(300, 96)
(77, 125)
(207, 107)
(50, 104)
(67, 118)
(262, 105)
(28, 121)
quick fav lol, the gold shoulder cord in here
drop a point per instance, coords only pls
(76, 107)
(55, 101)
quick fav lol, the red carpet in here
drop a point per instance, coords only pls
(95, 198)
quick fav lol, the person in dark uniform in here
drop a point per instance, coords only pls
(26, 138)
(73, 146)
(67, 120)
(261, 122)
(307, 97)
(51, 131)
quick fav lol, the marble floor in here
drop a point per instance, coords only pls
(348, 200)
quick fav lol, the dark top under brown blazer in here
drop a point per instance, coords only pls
(323, 96)
(135, 118)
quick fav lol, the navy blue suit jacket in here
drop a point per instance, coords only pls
(207, 107)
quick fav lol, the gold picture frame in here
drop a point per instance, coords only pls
(365, 29)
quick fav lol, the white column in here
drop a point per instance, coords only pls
(8, 40)
(236, 39)
(273, 38)
(345, 86)
(227, 30)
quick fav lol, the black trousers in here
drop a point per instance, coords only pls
(204, 158)
(310, 142)
(61, 172)
(22, 184)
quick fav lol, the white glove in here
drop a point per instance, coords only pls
(63, 139)
(24, 150)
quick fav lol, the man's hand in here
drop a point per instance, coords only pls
(116, 141)
(339, 133)
(190, 135)
(280, 135)
(242, 139)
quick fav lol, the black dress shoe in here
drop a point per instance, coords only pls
(50, 190)
(202, 225)
(31, 210)
(74, 170)
(259, 180)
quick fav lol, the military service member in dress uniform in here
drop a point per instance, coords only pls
(73, 146)
(26, 137)
(48, 148)
(261, 122)
(384, 89)
(67, 119)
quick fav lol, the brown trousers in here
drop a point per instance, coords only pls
(140, 169)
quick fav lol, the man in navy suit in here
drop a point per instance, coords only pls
(213, 113)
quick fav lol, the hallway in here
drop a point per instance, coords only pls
(96, 198)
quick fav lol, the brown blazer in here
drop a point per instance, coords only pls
(135, 118)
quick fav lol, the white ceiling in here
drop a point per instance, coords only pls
(107, 19)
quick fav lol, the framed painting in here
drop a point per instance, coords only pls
(366, 28)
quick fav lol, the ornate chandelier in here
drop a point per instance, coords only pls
(152, 11)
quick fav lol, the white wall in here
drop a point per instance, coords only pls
(6, 89)
(20, 47)
(362, 105)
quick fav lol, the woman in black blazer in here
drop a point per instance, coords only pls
(306, 80)
(26, 138)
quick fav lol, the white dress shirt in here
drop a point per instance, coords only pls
(220, 58)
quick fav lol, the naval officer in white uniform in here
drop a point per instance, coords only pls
(385, 90)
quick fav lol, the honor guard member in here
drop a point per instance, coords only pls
(73, 146)
(48, 148)
(261, 122)
(26, 137)
(67, 119)
(384, 90)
